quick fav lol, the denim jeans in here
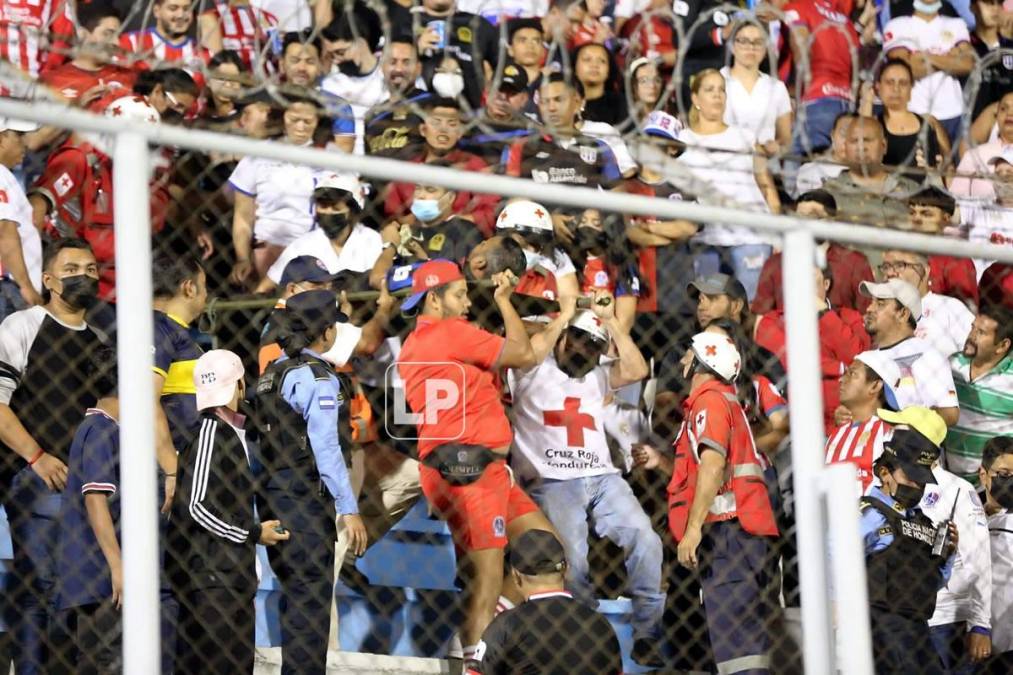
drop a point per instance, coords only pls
(817, 131)
(949, 641)
(10, 298)
(742, 262)
(607, 503)
(30, 606)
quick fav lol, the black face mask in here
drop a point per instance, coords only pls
(79, 291)
(588, 239)
(1002, 491)
(349, 68)
(333, 224)
(542, 241)
(908, 496)
(576, 365)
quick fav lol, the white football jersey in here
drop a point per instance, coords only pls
(559, 423)
(938, 94)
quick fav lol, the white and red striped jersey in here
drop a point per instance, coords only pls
(24, 31)
(152, 46)
(244, 29)
(860, 443)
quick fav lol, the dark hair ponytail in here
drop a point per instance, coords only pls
(293, 334)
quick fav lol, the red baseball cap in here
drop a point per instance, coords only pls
(428, 276)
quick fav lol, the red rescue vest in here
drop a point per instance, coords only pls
(743, 494)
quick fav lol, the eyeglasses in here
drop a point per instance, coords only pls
(648, 80)
(886, 268)
(758, 43)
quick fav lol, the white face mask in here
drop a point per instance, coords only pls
(448, 85)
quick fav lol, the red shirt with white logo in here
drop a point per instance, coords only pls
(832, 38)
(71, 82)
(447, 358)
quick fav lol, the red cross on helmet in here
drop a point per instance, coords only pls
(524, 214)
(132, 109)
(718, 353)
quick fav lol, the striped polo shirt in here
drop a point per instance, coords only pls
(986, 410)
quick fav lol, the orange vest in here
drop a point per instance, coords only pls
(714, 417)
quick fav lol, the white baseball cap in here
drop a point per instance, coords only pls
(22, 126)
(896, 289)
(215, 377)
(887, 370)
(1005, 156)
(344, 182)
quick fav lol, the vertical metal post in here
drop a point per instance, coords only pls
(139, 506)
(805, 400)
(847, 569)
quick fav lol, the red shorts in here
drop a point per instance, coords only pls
(477, 514)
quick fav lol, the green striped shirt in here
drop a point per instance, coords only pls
(986, 410)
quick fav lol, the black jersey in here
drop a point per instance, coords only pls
(44, 379)
(549, 634)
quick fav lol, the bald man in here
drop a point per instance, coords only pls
(869, 192)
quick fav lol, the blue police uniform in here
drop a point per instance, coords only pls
(307, 485)
(903, 578)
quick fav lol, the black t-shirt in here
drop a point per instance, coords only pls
(452, 239)
(996, 79)
(549, 634)
(392, 129)
(610, 108)
(583, 161)
(44, 379)
(470, 39)
(489, 138)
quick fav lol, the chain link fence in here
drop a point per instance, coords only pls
(321, 506)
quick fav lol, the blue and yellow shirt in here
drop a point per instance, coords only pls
(176, 354)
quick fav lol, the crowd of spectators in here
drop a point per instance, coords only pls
(892, 115)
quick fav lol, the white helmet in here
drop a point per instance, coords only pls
(132, 108)
(719, 353)
(586, 321)
(524, 214)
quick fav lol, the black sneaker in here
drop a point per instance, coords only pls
(645, 653)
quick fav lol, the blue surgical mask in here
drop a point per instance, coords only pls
(928, 7)
(426, 209)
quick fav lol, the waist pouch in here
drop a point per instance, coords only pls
(460, 463)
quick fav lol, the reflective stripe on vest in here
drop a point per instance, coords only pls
(724, 504)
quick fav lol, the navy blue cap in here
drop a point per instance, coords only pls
(305, 268)
(315, 310)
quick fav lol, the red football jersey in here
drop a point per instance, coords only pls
(71, 81)
(24, 31)
(833, 38)
(244, 29)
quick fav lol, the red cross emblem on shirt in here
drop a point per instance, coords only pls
(571, 418)
(64, 184)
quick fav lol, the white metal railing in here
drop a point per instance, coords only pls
(815, 485)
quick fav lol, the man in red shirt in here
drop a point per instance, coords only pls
(442, 130)
(842, 336)
(76, 187)
(848, 268)
(717, 481)
(98, 31)
(450, 382)
(865, 387)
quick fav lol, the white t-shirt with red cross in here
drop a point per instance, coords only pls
(938, 94)
(559, 423)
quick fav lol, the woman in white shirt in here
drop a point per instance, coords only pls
(726, 168)
(756, 101)
(273, 198)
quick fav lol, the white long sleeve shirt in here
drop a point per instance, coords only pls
(1000, 528)
(967, 597)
